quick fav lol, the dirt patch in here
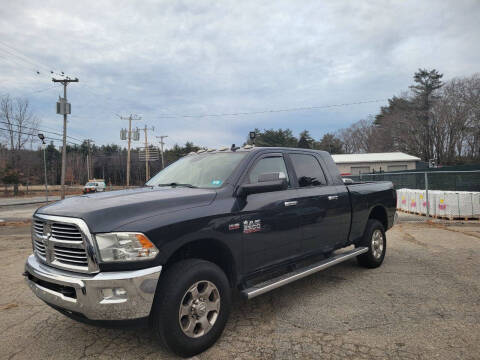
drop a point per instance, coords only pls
(16, 223)
(8, 306)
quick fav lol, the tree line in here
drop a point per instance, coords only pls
(432, 120)
(106, 162)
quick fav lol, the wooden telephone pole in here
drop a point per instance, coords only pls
(161, 137)
(63, 108)
(130, 118)
(147, 157)
(89, 160)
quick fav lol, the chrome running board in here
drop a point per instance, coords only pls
(266, 286)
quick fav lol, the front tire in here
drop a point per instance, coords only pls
(374, 238)
(191, 306)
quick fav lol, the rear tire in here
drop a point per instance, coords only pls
(191, 306)
(374, 238)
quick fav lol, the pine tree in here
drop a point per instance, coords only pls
(427, 82)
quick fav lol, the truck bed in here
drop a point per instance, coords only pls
(366, 195)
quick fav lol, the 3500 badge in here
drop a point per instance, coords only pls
(251, 226)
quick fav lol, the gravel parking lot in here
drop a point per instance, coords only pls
(423, 303)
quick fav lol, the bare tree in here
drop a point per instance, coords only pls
(453, 121)
(362, 136)
(19, 126)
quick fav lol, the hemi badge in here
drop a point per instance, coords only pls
(234, 226)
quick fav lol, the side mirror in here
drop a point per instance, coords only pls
(261, 187)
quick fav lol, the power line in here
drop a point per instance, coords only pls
(49, 128)
(15, 53)
(46, 137)
(18, 54)
(40, 130)
(43, 90)
(35, 91)
(13, 60)
(168, 116)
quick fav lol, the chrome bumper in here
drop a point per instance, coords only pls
(121, 295)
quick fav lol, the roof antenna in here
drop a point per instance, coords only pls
(234, 148)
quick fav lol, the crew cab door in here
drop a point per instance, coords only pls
(269, 221)
(323, 210)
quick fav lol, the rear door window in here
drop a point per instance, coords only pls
(308, 170)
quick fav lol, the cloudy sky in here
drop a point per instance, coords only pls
(167, 60)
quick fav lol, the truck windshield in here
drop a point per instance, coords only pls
(202, 170)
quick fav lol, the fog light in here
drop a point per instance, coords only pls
(120, 291)
(114, 294)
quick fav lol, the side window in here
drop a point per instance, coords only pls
(268, 165)
(308, 170)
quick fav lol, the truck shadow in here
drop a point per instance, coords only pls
(253, 321)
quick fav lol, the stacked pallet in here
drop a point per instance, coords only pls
(441, 204)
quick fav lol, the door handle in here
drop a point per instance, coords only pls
(290, 203)
(333, 197)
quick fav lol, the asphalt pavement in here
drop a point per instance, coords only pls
(422, 303)
(18, 213)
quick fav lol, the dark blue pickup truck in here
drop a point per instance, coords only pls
(245, 219)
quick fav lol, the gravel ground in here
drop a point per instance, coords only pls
(423, 303)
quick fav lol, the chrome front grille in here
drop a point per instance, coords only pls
(39, 248)
(38, 227)
(66, 232)
(70, 256)
(62, 242)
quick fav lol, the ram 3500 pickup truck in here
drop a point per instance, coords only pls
(246, 219)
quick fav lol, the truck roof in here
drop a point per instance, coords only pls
(250, 148)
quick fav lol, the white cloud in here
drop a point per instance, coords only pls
(196, 57)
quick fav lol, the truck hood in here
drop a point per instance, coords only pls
(106, 211)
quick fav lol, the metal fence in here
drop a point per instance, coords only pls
(423, 195)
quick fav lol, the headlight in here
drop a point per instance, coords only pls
(125, 246)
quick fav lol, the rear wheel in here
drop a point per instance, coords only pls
(374, 238)
(191, 306)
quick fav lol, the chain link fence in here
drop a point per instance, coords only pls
(424, 195)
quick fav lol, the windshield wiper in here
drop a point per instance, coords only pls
(174, 184)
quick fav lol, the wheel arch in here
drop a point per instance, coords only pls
(208, 249)
(378, 212)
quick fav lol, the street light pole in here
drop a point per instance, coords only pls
(42, 137)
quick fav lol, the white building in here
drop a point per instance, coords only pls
(354, 164)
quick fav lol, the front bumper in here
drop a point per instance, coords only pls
(121, 295)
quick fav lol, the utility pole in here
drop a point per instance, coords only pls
(130, 118)
(161, 137)
(147, 157)
(63, 108)
(42, 138)
(89, 159)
